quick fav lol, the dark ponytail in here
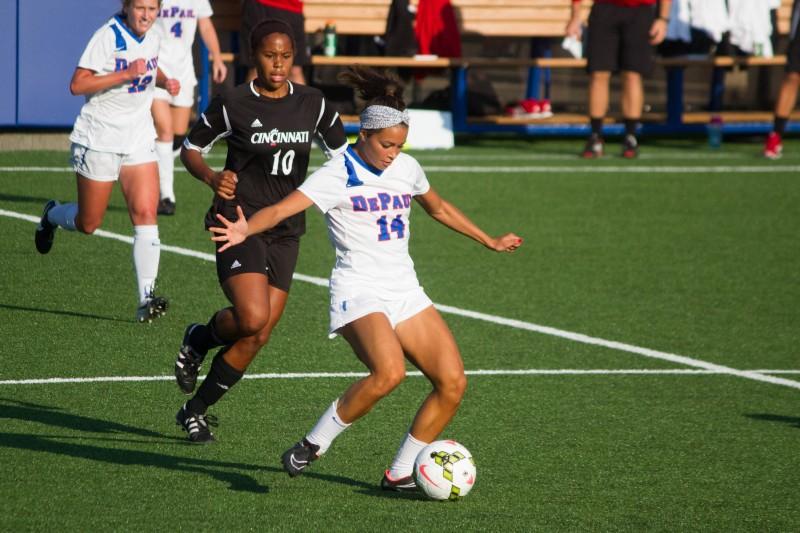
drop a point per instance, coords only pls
(376, 87)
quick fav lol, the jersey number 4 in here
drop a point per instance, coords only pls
(177, 30)
(385, 229)
(282, 163)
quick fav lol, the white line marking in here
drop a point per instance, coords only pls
(540, 169)
(518, 324)
(328, 375)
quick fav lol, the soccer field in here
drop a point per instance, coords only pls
(634, 366)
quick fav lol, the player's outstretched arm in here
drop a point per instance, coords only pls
(232, 233)
(449, 215)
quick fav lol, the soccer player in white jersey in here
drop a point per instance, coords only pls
(178, 22)
(113, 139)
(377, 304)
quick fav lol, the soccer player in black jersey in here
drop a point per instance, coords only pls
(268, 125)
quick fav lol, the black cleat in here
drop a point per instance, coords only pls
(594, 147)
(187, 364)
(196, 425)
(630, 147)
(166, 207)
(298, 457)
(45, 231)
(152, 307)
(403, 484)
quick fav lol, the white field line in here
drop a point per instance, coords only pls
(330, 375)
(540, 169)
(517, 324)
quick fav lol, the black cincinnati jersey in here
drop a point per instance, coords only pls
(269, 144)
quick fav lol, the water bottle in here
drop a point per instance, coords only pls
(330, 39)
(714, 129)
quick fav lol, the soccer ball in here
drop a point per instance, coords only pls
(444, 470)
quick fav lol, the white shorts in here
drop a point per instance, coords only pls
(184, 98)
(345, 311)
(105, 166)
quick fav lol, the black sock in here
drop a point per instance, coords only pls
(205, 338)
(177, 141)
(597, 126)
(780, 124)
(630, 126)
(221, 377)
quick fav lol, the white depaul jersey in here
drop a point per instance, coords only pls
(177, 21)
(118, 119)
(367, 213)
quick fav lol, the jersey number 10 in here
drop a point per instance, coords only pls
(285, 163)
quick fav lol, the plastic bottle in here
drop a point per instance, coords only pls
(330, 39)
(714, 129)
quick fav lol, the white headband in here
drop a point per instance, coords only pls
(378, 117)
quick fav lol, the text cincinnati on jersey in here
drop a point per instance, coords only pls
(276, 137)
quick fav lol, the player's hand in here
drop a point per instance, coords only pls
(219, 71)
(574, 28)
(507, 243)
(136, 69)
(224, 184)
(231, 233)
(172, 86)
(658, 31)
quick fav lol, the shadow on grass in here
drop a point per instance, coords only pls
(41, 200)
(64, 313)
(790, 420)
(54, 444)
(66, 445)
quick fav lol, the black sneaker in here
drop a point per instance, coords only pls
(593, 148)
(630, 147)
(187, 364)
(153, 307)
(166, 207)
(197, 426)
(403, 484)
(298, 457)
(45, 231)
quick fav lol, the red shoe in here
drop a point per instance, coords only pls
(630, 147)
(404, 484)
(773, 148)
(593, 148)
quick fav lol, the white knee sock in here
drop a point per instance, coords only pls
(63, 215)
(166, 169)
(328, 427)
(403, 463)
(146, 252)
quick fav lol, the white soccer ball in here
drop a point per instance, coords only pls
(444, 470)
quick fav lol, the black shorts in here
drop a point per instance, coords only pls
(254, 12)
(619, 38)
(793, 52)
(276, 258)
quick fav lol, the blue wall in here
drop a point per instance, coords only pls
(8, 61)
(52, 36)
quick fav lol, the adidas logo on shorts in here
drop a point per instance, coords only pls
(236, 264)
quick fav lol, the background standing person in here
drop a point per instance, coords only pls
(268, 124)
(113, 139)
(621, 35)
(288, 11)
(787, 96)
(178, 21)
(377, 303)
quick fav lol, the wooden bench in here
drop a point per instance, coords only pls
(490, 18)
